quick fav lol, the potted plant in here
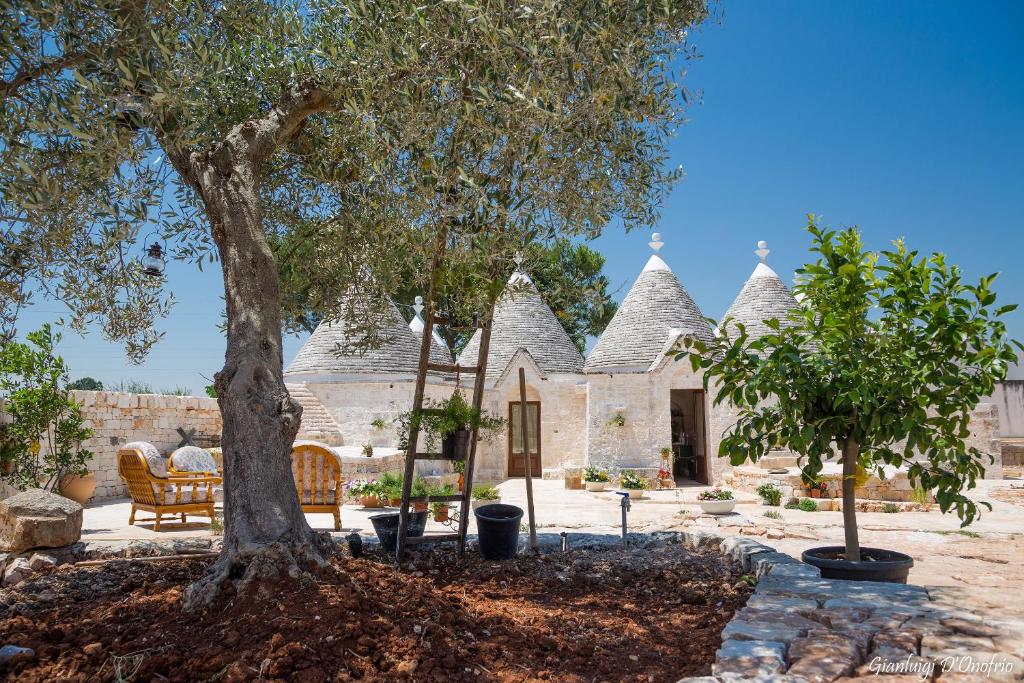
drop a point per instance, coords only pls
(368, 450)
(814, 489)
(665, 479)
(367, 492)
(716, 501)
(885, 356)
(449, 424)
(633, 484)
(459, 468)
(595, 478)
(619, 420)
(378, 423)
(485, 494)
(47, 424)
(440, 509)
(770, 494)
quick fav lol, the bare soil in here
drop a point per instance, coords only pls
(600, 615)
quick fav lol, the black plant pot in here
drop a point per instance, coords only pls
(455, 446)
(497, 525)
(876, 564)
(386, 526)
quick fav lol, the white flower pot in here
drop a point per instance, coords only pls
(636, 494)
(596, 485)
(717, 507)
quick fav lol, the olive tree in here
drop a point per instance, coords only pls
(377, 134)
(882, 363)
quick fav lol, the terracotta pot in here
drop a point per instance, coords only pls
(462, 481)
(78, 489)
(395, 502)
(418, 507)
(7, 467)
(441, 515)
(815, 493)
(370, 501)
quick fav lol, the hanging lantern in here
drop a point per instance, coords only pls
(153, 263)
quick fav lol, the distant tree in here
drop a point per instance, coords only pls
(568, 277)
(883, 362)
(377, 131)
(86, 384)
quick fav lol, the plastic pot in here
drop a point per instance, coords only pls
(455, 446)
(876, 564)
(497, 525)
(386, 527)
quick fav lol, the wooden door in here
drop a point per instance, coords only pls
(516, 461)
(700, 437)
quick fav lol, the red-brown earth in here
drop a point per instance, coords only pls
(599, 615)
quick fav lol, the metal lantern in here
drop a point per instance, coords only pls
(153, 263)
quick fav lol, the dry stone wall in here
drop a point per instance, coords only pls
(117, 418)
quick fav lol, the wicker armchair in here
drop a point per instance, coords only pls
(317, 473)
(155, 490)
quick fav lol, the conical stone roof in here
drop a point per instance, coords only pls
(398, 354)
(764, 296)
(656, 307)
(523, 321)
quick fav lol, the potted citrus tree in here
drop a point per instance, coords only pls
(47, 429)
(881, 364)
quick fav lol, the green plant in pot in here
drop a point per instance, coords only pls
(448, 424)
(633, 483)
(595, 478)
(485, 494)
(44, 439)
(440, 509)
(881, 364)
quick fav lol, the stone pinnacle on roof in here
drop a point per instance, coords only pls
(656, 308)
(764, 296)
(439, 352)
(523, 321)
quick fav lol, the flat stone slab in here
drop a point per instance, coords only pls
(750, 658)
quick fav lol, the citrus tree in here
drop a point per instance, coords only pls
(374, 132)
(881, 364)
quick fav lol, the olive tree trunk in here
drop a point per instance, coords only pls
(851, 449)
(266, 536)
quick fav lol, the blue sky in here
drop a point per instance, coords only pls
(903, 118)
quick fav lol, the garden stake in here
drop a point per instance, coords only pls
(526, 456)
(625, 508)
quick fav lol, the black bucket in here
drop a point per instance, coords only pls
(386, 526)
(497, 525)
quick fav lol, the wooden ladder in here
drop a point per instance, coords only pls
(412, 454)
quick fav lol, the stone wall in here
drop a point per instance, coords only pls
(1009, 399)
(117, 418)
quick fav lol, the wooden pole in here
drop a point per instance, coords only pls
(523, 418)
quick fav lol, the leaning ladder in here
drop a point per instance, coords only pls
(412, 454)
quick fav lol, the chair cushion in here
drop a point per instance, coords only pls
(202, 494)
(192, 459)
(321, 499)
(157, 463)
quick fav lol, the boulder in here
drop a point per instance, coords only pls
(38, 519)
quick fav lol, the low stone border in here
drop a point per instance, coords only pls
(800, 627)
(18, 567)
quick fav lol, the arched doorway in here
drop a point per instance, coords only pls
(689, 435)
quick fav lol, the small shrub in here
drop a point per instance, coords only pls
(217, 526)
(368, 450)
(358, 488)
(922, 497)
(618, 421)
(715, 494)
(891, 508)
(808, 505)
(773, 514)
(770, 493)
(594, 473)
(486, 492)
(628, 479)
(792, 504)
(378, 423)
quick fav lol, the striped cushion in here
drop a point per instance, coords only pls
(157, 463)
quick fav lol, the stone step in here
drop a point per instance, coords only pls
(770, 462)
(317, 423)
